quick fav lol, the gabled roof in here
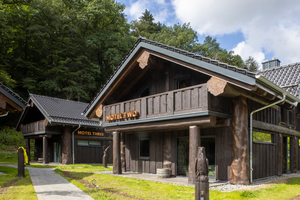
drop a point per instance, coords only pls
(243, 76)
(287, 77)
(12, 96)
(61, 111)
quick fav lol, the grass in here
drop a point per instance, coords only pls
(21, 188)
(117, 187)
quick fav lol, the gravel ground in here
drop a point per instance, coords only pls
(229, 187)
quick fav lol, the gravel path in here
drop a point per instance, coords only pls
(256, 184)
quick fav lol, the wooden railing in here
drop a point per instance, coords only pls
(187, 100)
(34, 127)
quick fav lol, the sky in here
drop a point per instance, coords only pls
(263, 29)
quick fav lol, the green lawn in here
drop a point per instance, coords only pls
(116, 187)
(20, 188)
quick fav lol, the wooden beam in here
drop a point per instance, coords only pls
(195, 142)
(143, 59)
(116, 154)
(10, 102)
(275, 128)
(239, 173)
(206, 121)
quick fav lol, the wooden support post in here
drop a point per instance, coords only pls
(45, 150)
(66, 150)
(239, 173)
(122, 146)
(36, 151)
(279, 153)
(21, 167)
(28, 149)
(167, 151)
(294, 145)
(116, 153)
(194, 144)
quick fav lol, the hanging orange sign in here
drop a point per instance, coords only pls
(124, 115)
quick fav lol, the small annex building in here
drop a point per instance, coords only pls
(9, 101)
(161, 103)
(60, 133)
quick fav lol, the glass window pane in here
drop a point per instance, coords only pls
(95, 143)
(144, 148)
(83, 142)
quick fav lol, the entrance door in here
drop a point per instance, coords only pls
(57, 152)
(182, 156)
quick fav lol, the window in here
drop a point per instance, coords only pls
(88, 143)
(183, 83)
(283, 115)
(262, 137)
(144, 148)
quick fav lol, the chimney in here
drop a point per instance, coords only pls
(271, 63)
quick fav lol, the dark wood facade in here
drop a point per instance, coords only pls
(169, 106)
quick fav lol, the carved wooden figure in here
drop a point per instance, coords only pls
(104, 159)
(201, 174)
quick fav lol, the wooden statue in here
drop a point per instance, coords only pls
(201, 175)
(104, 159)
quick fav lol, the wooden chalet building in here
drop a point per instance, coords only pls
(61, 134)
(9, 101)
(161, 103)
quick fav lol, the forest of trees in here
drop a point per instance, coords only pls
(68, 49)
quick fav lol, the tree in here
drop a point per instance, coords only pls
(251, 64)
(145, 26)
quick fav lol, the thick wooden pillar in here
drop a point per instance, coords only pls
(194, 144)
(45, 150)
(239, 173)
(116, 153)
(122, 146)
(66, 150)
(279, 153)
(294, 154)
(167, 151)
(28, 149)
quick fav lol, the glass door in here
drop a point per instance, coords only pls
(57, 152)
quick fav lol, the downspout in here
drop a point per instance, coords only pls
(73, 143)
(4, 115)
(251, 132)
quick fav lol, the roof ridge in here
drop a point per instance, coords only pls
(58, 98)
(279, 67)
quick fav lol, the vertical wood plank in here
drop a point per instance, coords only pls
(170, 103)
(163, 103)
(152, 153)
(144, 108)
(156, 105)
(186, 99)
(195, 98)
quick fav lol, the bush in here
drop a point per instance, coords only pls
(9, 136)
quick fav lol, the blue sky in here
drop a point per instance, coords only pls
(262, 29)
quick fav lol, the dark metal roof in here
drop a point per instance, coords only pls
(178, 51)
(287, 77)
(12, 96)
(62, 111)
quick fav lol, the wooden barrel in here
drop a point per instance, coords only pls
(163, 173)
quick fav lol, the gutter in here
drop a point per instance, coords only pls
(4, 115)
(73, 143)
(251, 131)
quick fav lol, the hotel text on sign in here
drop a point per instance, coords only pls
(124, 115)
(90, 133)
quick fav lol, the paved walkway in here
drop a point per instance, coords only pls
(50, 185)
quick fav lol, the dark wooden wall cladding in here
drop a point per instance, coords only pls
(269, 115)
(160, 76)
(92, 154)
(156, 158)
(222, 149)
(264, 160)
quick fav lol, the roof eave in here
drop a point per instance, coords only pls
(291, 99)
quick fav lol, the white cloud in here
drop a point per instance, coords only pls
(268, 25)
